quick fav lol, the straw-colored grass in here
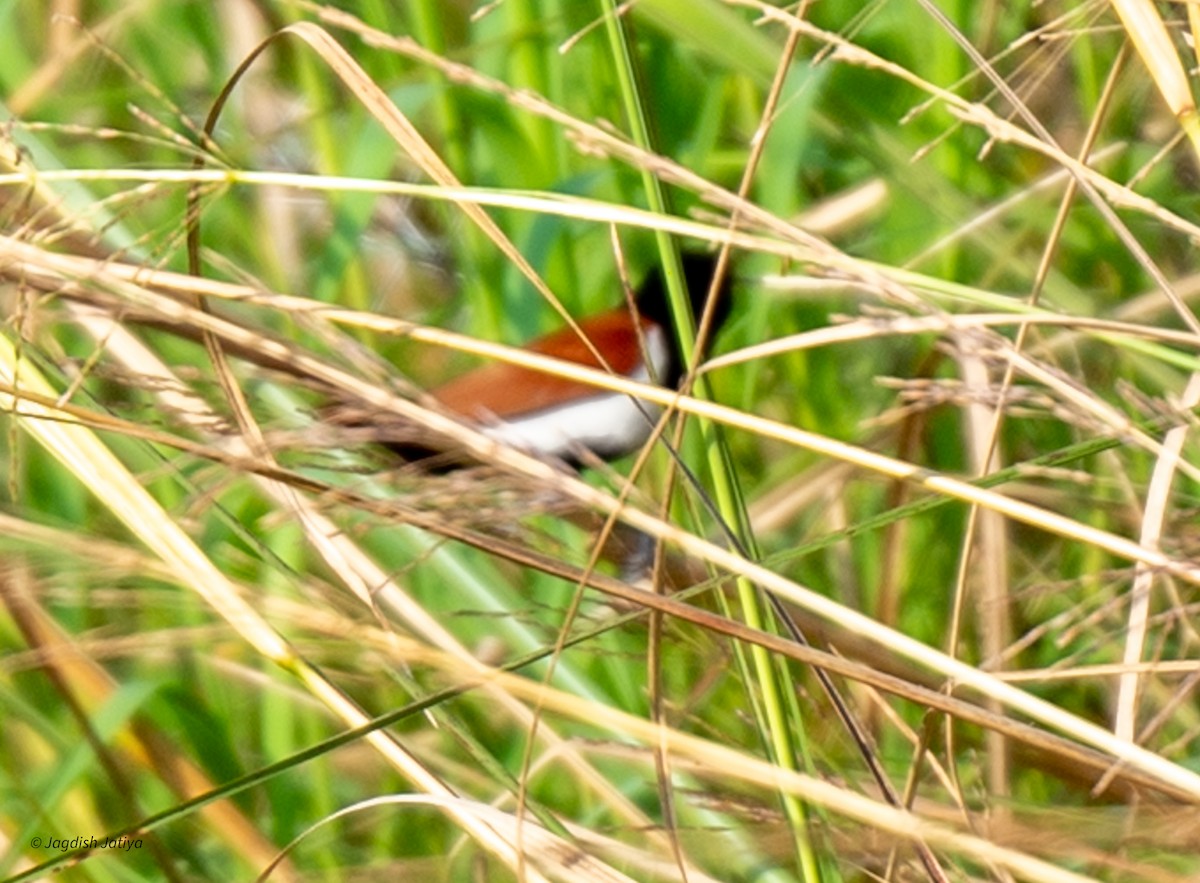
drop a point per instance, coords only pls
(923, 598)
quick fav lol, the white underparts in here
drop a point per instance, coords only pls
(607, 424)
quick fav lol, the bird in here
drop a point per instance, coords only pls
(570, 422)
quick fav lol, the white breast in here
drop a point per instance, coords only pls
(608, 424)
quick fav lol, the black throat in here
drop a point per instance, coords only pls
(652, 303)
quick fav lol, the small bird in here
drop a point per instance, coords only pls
(557, 418)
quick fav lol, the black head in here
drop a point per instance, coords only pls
(652, 303)
(698, 270)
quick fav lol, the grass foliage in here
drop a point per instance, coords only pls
(922, 608)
